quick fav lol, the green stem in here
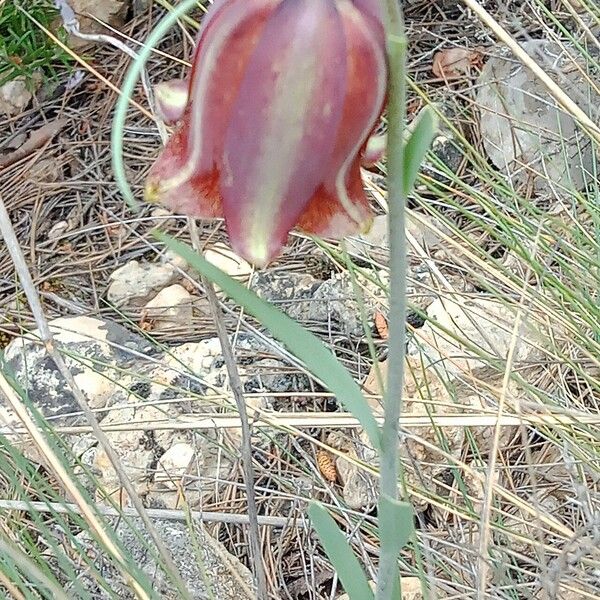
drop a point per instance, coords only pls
(388, 579)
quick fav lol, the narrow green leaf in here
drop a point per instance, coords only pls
(396, 524)
(340, 554)
(417, 145)
(301, 343)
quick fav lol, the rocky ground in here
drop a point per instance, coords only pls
(502, 392)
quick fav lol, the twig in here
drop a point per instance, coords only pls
(36, 139)
(156, 513)
(327, 420)
(10, 239)
(71, 25)
(237, 389)
(388, 485)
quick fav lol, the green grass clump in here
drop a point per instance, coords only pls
(25, 49)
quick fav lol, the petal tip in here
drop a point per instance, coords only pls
(152, 192)
(171, 100)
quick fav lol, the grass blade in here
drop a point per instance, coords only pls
(340, 554)
(417, 146)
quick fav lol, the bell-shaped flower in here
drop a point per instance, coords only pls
(274, 120)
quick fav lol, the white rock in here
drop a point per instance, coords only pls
(227, 260)
(411, 589)
(206, 466)
(194, 357)
(483, 323)
(335, 301)
(424, 395)
(135, 283)
(359, 486)
(58, 229)
(481, 403)
(374, 243)
(522, 128)
(174, 464)
(14, 96)
(132, 446)
(171, 307)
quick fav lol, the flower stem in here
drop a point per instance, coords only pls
(388, 578)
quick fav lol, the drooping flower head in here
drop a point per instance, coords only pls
(273, 121)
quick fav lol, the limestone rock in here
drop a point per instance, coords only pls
(483, 323)
(289, 291)
(174, 463)
(14, 96)
(335, 302)
(228, 261)
(424, 395)
(524, 132)
(133, 284)
(411, 589)
(95, 351)
(359, 486)
(171, 307)
(207, 569)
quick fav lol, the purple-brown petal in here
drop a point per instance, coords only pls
(283, 125)
(341, 207)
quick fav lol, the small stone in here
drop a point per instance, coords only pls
(194, 357)
(58, 229)
(272, 375)
(359, 486)
(14, 96)
(228, 261)
(171, 258)
(424, 394)
(372, 585)
(335, 302)
(162, 214)
(411, 588)
(133, 284)
(174, 464)
(374, 243)
(171, 307)
(135, 448)
(474, 480)
(483, 436)
(45, 170)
